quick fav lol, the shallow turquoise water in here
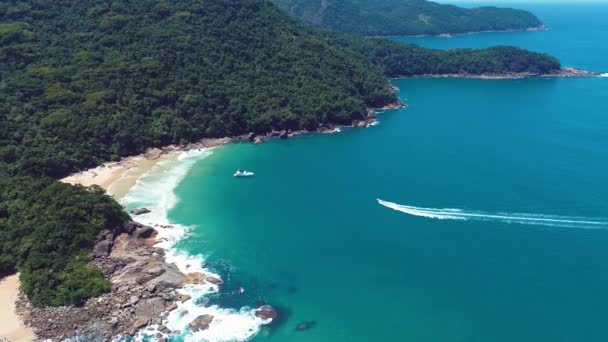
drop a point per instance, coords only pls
(307, 235)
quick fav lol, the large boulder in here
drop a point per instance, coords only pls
(214, 280)
(140, 211)
(144, 232)
(201, 322)
(102, 249)
(171, 277)
(194, 278)
(266, 312)
(138, 324)
(149, 308)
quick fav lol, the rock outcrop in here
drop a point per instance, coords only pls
(140, 211)
(266, 312)
(201, 322)
(143, 287)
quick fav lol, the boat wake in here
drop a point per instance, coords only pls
(517, 218)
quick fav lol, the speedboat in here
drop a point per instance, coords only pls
(240, 173)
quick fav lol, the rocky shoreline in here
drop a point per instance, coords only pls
(449, 35)
(144, 289)
(366, 120)
(563, 72)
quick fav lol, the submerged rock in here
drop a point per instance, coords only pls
(305, 326)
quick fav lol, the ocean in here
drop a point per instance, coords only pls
(477, 213)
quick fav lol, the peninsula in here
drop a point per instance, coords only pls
(407, 17)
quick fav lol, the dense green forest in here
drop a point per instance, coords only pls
(47, 229)
(397, 59)
(89, 81)
(405, 17)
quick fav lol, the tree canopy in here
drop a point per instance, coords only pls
(405, 17)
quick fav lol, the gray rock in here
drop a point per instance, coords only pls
(133, 300)
(149, 308)
(144, 232)
(140, 211)
(102, 249)
(201, 323)
(266, 312)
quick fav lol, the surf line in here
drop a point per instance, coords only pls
(517, 218)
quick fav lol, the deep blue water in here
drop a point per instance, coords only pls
(525, 161)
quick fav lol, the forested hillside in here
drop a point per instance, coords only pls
(397, 59)
(84, 82)
(405, 17)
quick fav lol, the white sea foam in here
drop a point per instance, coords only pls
(604, 75)
(518, 218)
(155, 191)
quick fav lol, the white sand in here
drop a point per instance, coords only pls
(11, 326)
(118, 177)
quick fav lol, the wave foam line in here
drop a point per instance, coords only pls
(603, 75)
(518, 218)
(155, 190)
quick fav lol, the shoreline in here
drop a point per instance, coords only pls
(125, 255)
(12, 327)
(117, 178)
(449, 35)
(565, 72)
(144, 302)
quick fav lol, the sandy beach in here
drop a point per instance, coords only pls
(11, 327)
(118, 177)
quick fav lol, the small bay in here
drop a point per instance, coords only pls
(524, 163)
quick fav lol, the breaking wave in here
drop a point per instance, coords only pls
(155, 191)
(517, 218)
(603, 75)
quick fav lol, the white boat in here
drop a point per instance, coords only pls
(240, 173)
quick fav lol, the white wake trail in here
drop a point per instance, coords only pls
(518, 218)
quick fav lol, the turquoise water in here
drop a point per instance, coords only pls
(524, 259)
